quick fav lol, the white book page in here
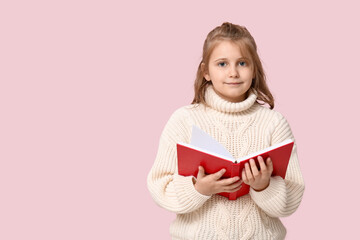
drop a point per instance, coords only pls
(202, 140)
(231, 159)
(287, 141)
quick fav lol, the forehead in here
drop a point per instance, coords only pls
(229, 49)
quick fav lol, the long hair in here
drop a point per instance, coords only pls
(242, 37)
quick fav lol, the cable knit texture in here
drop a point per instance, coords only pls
(243, 128)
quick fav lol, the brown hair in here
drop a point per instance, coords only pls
(240, 36)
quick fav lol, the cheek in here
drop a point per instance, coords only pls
(248, 85)
(248, 75)
(216, 77)
(214, 73)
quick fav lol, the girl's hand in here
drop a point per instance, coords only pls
(212, 184)
(258, 180)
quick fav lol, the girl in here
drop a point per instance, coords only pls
(230, 91)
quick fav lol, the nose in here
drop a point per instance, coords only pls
(233, 72)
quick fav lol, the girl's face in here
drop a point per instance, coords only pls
(231, 73)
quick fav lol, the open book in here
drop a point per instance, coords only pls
(207, 152)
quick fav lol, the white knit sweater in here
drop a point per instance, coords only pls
(243, 128)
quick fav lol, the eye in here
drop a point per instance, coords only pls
(242, 63)
(222, 64)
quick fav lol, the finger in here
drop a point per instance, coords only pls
(243, 177)
(234, 185)
(262, 164)
(254, 169)
(234, 189)
(219, 174)
(201, 172)
(269, 165)
(248, 172)
(228, 181)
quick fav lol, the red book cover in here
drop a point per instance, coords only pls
(190, 157)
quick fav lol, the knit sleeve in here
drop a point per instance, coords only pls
(169, 190)
(283, 196)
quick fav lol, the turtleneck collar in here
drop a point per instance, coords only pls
(222, 105)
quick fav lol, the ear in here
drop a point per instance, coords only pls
(205, 74)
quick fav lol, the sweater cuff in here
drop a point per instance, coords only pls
(275, 191)
(186, 192)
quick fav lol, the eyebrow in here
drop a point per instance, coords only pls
(227, 59)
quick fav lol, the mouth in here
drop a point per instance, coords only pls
(234, 83)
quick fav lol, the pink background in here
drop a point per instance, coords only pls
(87, 87)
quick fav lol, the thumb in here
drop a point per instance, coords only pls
(201, 173)
(269, 165)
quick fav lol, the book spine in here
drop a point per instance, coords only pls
(235, 171)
